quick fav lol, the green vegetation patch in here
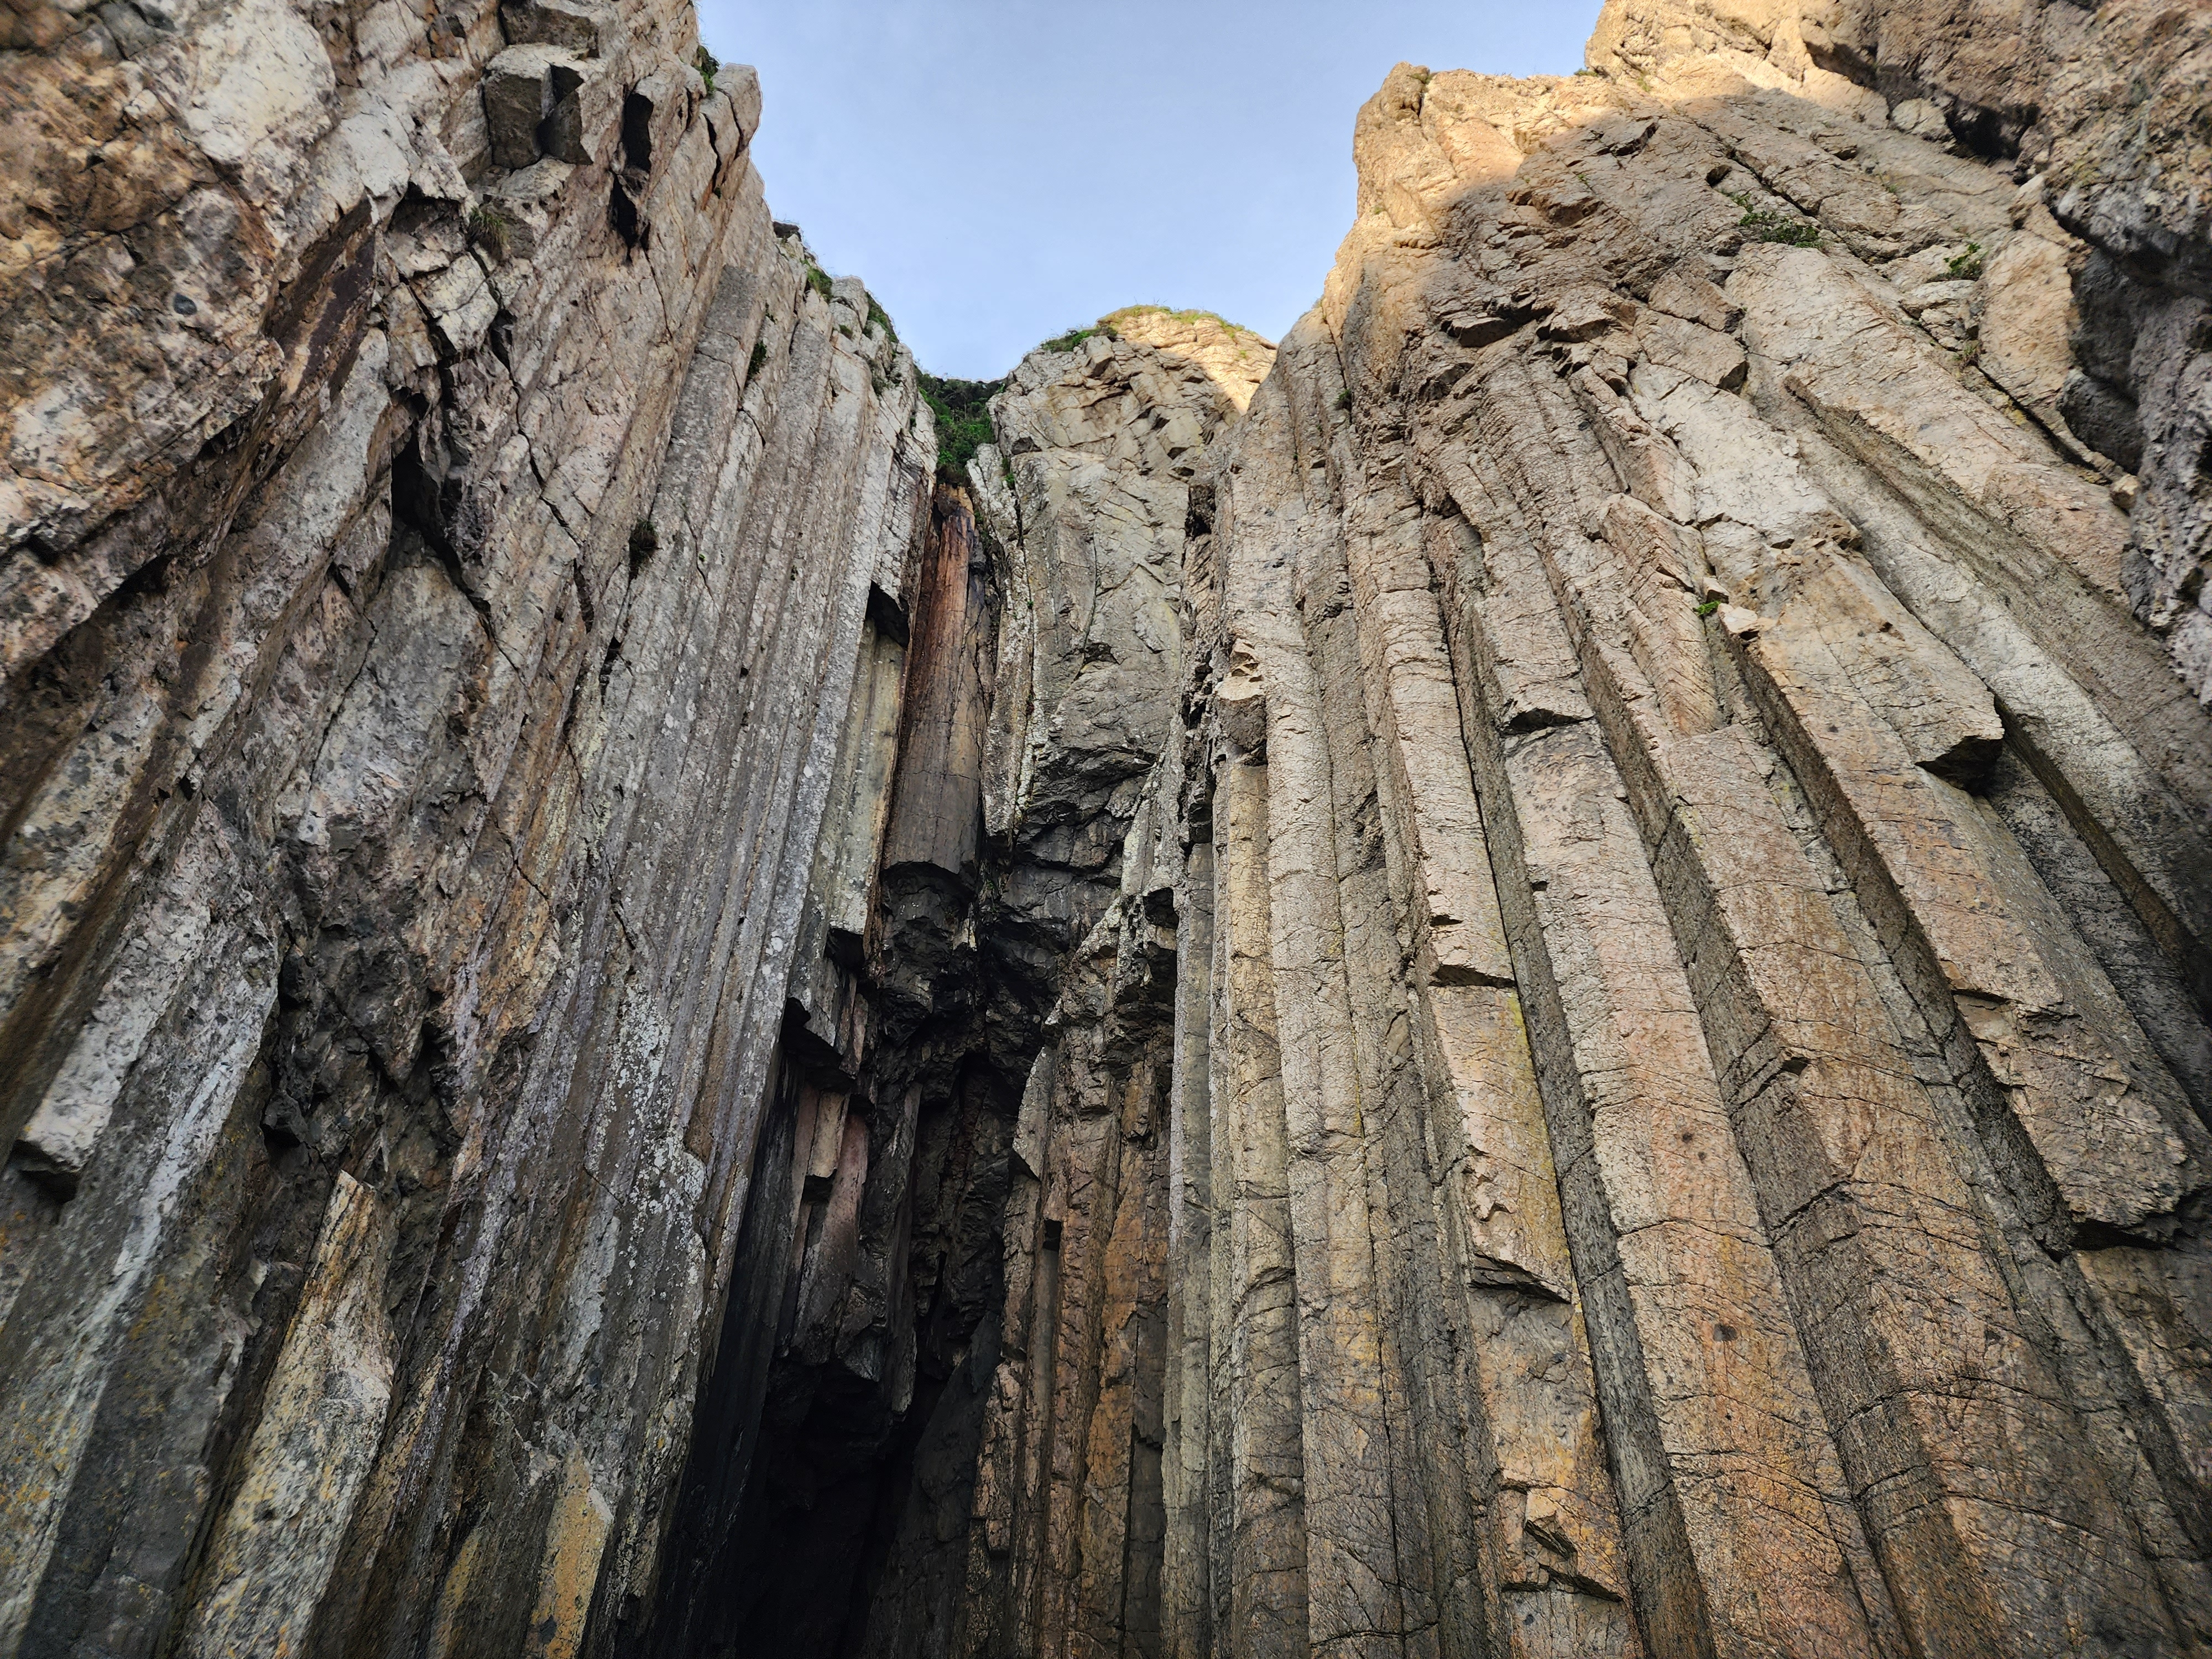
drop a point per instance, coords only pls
(1076, 337)
(707, 64)
(817, 279)
(1967, 267)
(1769, 227)
(962, 409)
(491, 230)
(1780, 227)
(879, 317)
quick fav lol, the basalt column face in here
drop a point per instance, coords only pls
(854, 1421)
(446, 523)
(1645, 1091)
(1528, 976)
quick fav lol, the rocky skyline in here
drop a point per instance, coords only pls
(1524, 975)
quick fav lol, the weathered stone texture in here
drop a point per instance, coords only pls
(437, 549)
(2101, 110)
(1528, 977)
(1681, 829)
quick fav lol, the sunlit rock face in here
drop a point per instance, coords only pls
(1526, 977)
(1644, 1090)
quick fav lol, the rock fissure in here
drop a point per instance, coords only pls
(1525, 975)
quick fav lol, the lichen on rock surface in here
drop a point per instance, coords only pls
(1528, 974)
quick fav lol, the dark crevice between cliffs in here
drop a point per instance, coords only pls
(825, 1503)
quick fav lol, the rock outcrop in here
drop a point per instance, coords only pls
(1645, 1089)
(1531, 975)
(2101, 110)
(443, 517)
(861, 1354)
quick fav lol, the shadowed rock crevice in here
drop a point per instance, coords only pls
(829, 1513)
(1526, 977)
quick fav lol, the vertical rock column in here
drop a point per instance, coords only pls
(1751, 668)
(427, 655)
(1697, 1140)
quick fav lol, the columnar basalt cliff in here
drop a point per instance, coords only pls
(444, 516)
(1531, 975)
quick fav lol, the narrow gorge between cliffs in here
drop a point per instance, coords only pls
(1529, 974)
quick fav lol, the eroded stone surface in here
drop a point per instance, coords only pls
(434, 596)
(1528, 977)
(1655, 697)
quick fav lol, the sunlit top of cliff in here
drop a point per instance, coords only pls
(1001, 171)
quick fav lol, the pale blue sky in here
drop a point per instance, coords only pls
(1001, 170)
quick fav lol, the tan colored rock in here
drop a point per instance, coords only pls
(574, 1541)
(272, 1560)
(2027, 317)
(1728, 720)
(1527, 977)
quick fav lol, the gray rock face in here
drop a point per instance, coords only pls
(439, 552)
(1529, 977)
(2092, 107)
(828, 1510)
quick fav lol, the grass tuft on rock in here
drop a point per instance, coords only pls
(492, 231)
(1780, 227)
(707, 65)
(962, 409)
(1076, 337)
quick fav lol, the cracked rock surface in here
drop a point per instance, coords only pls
(1529, 974)
(1649, 1097)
